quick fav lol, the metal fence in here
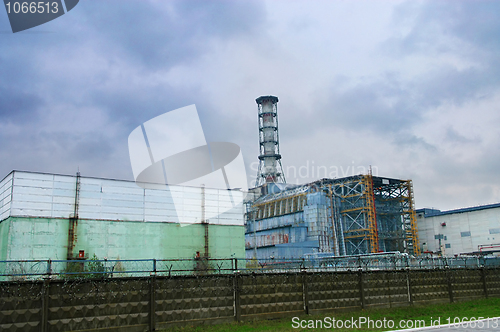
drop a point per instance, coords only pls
(91, 268)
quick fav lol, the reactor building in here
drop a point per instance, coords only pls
(354, 215)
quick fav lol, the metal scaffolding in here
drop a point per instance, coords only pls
(397, 227)
(372, 214)
(355, 215)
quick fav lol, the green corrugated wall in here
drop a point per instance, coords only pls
(45, 238)
(4, 239)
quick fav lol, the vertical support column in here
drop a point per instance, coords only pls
(73, 221)
(411, 232)
(371, 213)
(44, 325)
(236, 292)
(305, 292)
(331, 218)
(205, 223)
(361, 289)
(450, 285)
(483, 279)
(408, 284)
(152, 302)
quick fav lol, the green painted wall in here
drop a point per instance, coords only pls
(4, 239)
(44, 238)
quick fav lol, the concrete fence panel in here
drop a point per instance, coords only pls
(154, 302)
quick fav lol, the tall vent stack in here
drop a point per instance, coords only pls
(270, 168)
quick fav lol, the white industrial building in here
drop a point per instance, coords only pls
(51, 216)
(474, 230)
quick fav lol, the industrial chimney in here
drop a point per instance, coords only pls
(270, 168)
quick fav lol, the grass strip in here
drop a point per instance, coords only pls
(429, 314)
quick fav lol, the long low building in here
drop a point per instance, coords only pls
(49, 216)
(474, 230)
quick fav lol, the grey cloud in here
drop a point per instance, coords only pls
(454, 136)
(18, 106)
(62, 152)
(148, 37)
(132, 109)
(466, 30)
(448, 84)
(384, 106)
(412, 141)
(388, 104)
(475, 22)
(19, 98)
(157, 34)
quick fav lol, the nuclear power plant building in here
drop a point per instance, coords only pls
(49, 216)
(333, 217)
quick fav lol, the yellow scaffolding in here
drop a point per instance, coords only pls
(371, 214)
(412, 232)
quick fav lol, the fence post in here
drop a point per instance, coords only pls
(483, 278)
(45, 305)
(450, 285)
(236, 292)
(361, 288)
(408, 283)
(49, 267)
(152, 301)
(305, 291)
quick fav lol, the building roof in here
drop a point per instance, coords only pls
(433, 212)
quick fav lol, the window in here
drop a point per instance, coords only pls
(465, 234)
(494, 230)
(447, 245)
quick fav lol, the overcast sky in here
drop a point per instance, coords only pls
(409, 87)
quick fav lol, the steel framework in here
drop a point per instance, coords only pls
(372, 214)
(352, 214)
(365, 215)
(395, 205)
